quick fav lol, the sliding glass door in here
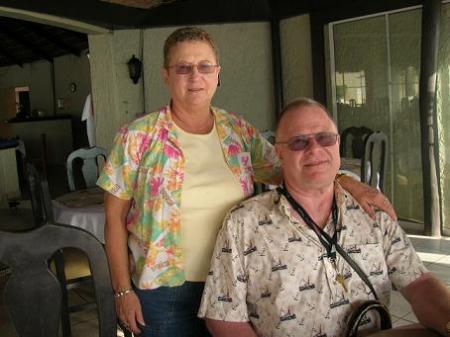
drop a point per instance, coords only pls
(374, 71)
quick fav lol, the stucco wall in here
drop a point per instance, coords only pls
(68, 69)
(295, 36)
(38, 76)
(116, 99)
(246, 76)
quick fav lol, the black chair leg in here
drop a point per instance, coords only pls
(65, 318)
(126, 333)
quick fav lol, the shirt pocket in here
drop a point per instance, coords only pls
(370, 258)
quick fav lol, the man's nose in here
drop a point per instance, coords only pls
(312, 144)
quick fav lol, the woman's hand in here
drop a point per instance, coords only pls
(128, 307)
(368, 197)
(129, 312)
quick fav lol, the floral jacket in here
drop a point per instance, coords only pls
(146, 165)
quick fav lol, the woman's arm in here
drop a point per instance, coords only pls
(368, 197)
(116, 244)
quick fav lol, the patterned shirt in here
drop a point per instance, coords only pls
(270, 268)
(146, 165)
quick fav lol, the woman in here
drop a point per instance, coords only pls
(170, 178)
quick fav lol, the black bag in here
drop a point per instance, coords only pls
(358, 314)
(355, 318)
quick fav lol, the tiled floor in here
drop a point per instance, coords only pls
(434, 252)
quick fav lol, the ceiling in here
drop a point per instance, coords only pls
(23, 41)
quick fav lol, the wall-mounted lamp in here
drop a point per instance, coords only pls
(134, 69)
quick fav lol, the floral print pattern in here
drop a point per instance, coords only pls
(269, 268)
(146, 165)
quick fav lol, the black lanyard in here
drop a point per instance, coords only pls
(328, 242)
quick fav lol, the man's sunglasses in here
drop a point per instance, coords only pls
(202, 68)
(300, 142)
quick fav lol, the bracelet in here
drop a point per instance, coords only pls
(122, 293)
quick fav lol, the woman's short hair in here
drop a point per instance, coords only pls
(188, 34)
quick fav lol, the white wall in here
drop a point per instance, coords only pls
(72, 69)
(295, 36)
(246, 76)
(38, 76)
(247, 80)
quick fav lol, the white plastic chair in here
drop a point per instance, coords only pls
(89, 168)
(373, 163)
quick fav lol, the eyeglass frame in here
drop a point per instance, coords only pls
(191, 67)
(308, 137)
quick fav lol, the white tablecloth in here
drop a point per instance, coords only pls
(89, 217)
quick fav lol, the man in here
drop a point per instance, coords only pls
(275, 270)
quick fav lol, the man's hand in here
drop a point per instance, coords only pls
(430, 301)
(368, 197)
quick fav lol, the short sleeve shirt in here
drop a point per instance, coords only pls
(146, 165)
(269, 267)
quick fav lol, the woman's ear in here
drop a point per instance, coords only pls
(218, 76)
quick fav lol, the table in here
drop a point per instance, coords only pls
(83, 209)
(351, 167)
(410, 331)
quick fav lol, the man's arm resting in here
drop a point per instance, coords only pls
(430, 300)
(220, 328)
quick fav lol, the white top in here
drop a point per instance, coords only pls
(209, 191)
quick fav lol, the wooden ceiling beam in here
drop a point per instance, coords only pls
(25, 43)
(144, 4)
(51, 38)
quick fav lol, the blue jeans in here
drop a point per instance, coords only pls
(172, 311)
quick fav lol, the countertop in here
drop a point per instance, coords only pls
(38, 119)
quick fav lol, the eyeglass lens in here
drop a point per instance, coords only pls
(203, 68)
(324, 139)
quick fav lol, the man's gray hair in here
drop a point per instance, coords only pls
(303, 102)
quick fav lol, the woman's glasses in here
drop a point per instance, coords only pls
(300, 142)
(202, 68)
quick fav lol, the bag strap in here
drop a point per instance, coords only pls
(356, 268)
(358, 314)
(327, 241)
